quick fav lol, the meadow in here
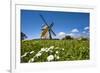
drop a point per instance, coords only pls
(54, 50)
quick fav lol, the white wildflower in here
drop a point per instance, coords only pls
(31, 52)
(57, 57)
(31, 60)
(51, 47)
(57, 52)
(24, 54)
(57, 48)
(50, 58)
(38, 54)
(47, 49)
(43, 49)
(62, 48)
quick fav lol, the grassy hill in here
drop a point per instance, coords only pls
(54, 50)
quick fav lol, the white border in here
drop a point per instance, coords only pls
(17, 67)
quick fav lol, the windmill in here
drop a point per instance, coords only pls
(47, 31)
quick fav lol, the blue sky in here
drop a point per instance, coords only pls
(65, 23)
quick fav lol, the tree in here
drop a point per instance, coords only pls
(67, 37)
(84, 39)
(23, 36)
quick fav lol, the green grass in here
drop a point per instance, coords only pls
(73, 50)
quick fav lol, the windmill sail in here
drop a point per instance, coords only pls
(47, 29)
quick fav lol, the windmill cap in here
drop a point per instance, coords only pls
(44, 27)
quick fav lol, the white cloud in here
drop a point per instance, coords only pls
(70, 34)
(75, 30)
(86, 28)
(61, 35)
(74, 35)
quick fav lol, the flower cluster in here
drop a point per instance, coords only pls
(53, 54)
(24, 54)
(50, 58)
